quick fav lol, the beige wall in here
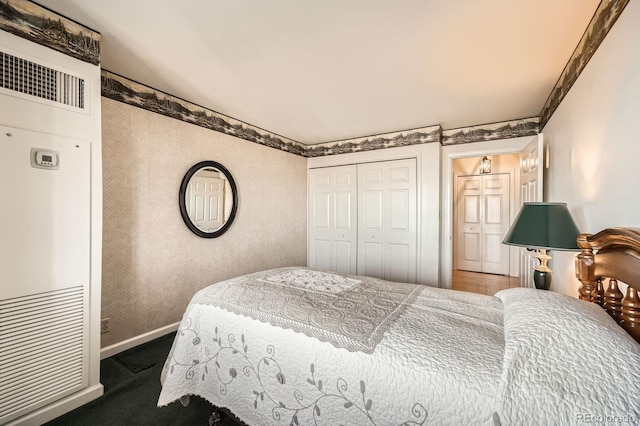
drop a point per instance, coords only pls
(152, 264)
(593, 141)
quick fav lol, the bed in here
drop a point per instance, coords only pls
(295, 346)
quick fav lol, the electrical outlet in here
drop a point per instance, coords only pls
(104, 325)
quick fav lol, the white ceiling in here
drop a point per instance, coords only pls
(325, 70)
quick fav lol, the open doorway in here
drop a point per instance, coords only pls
(525, 190)
(485, 202)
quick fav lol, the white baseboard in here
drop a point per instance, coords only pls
(116, 348)
(59, 408)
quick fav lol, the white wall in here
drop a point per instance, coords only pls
(594, 142)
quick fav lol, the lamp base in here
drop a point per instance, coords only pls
(542, 273)
(542, 279)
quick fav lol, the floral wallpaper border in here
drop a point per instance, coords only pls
(40, 25)
(603, 19)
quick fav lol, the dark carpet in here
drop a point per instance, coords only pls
(131, 382)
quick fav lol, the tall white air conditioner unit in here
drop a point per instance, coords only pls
(50, 232)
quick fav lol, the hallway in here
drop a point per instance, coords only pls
(487, 284)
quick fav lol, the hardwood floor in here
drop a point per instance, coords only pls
(487, 284)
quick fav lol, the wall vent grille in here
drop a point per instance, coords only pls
(30, 78)
(41, 350)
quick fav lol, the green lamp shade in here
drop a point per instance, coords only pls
(544, 226)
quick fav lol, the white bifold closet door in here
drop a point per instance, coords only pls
(363, 219)
(387, 220)
(332, 219)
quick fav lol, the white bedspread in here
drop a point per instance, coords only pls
(438, 363)
(449, 358)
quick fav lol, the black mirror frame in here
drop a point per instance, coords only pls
(183, 205)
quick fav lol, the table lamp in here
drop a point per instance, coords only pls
(543, 226)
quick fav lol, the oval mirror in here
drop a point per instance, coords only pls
(208, 199)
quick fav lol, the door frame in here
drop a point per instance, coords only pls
(450, 153)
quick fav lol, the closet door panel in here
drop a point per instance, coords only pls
(344, 205)
(370, 259)
(387, 216)
(399, 262)
(322, 254)
(321, 216)
(344, 256)
(372, 210)
(332, 219)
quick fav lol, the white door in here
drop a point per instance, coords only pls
(483, 221)
(496, 202)
(469, 226)
(333, 219)
(206, 202)
(531, 190)
(387, 220)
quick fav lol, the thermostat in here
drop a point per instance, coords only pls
(45, 159)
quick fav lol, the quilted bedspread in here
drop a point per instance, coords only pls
(297, 346)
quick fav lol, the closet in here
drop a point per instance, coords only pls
(483, 203)
(363, 219)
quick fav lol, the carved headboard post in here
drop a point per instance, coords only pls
(630, 316)
(613, 254)
(585, 268)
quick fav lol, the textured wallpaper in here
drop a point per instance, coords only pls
(152, 264)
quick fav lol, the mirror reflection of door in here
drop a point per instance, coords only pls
(206, 195)
(208, 199)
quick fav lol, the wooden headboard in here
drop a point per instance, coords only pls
(613, 255)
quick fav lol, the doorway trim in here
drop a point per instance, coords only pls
(450, 153)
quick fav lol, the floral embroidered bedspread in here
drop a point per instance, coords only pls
(350, 351)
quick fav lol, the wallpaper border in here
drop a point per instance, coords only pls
(29, 20)
(122, 89)
(602, 21)
(40, 25)
(492, 131)
(380, 141)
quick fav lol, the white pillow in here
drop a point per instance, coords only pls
(566, 362)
